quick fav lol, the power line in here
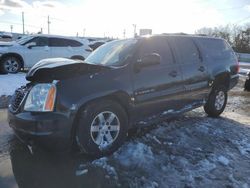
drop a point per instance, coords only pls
(16, 23)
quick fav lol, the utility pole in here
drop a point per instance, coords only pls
(48, 25)
(23, 22)
(11, 28)
(134, 25)
(84, 30)
(124, 33)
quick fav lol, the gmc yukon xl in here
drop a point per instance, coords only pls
(92, 104)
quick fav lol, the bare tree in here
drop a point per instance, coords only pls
(237, 36)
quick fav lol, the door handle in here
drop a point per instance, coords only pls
(201, 68)
(173, 73)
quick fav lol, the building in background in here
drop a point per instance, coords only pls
(145, 32)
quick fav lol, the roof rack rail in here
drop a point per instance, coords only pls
(175, 33)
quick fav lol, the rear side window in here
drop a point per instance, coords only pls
(72, 43)
(215, 48)
(187, 50)
(60, 42)
(56, 42)
(157, 45)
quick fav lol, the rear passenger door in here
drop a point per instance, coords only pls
(157, 87)
(60, 48)
(195, 73)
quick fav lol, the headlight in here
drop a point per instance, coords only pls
(41, 98)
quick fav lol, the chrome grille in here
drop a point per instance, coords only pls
(17, 98)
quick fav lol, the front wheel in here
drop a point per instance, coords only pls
(216, 102)
(10, 64)
(102, 128)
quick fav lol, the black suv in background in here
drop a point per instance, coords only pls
(92, 104)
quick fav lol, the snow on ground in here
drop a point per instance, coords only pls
(244, 64)
(10, 82)
(193, 151)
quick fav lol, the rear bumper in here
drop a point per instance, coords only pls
(51, 130)
(233, 81)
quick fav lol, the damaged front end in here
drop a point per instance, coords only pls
(33, 114)
(48, 70)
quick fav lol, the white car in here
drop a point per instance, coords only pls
(28, 50)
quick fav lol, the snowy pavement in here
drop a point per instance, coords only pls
(245, 65)
(191, 150)
(10, 82)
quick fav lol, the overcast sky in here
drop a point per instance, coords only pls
(111, 17)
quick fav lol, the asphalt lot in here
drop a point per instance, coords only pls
(191, 150)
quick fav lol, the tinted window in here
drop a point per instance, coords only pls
(72, 43)
(157, 45)
(187, 50)
(40, 41)
(60, 42)
(56, 42)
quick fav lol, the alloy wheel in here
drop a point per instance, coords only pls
(105, 129)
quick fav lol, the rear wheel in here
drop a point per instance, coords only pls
(10, 64)
(216, 102)
(102, 128)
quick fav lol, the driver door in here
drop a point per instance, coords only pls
(36, 52)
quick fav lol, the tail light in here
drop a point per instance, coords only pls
(237, 66)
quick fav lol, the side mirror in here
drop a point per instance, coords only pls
(149, 60)
(31, 45)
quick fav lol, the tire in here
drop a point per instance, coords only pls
(10, 64)
(93, 129)
(247, 85)
(216, 102)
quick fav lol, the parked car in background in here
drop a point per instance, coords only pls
(28, 50)
(92, 104)
(4, 36)
(95, 45)
(247, 82)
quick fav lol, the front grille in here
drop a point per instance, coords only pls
(18, 97)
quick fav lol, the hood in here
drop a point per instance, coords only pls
(60, 68)
(6, 44)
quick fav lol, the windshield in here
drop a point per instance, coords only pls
(24, 39)
(113, 53)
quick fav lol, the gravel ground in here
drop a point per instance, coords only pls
(191, 150)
